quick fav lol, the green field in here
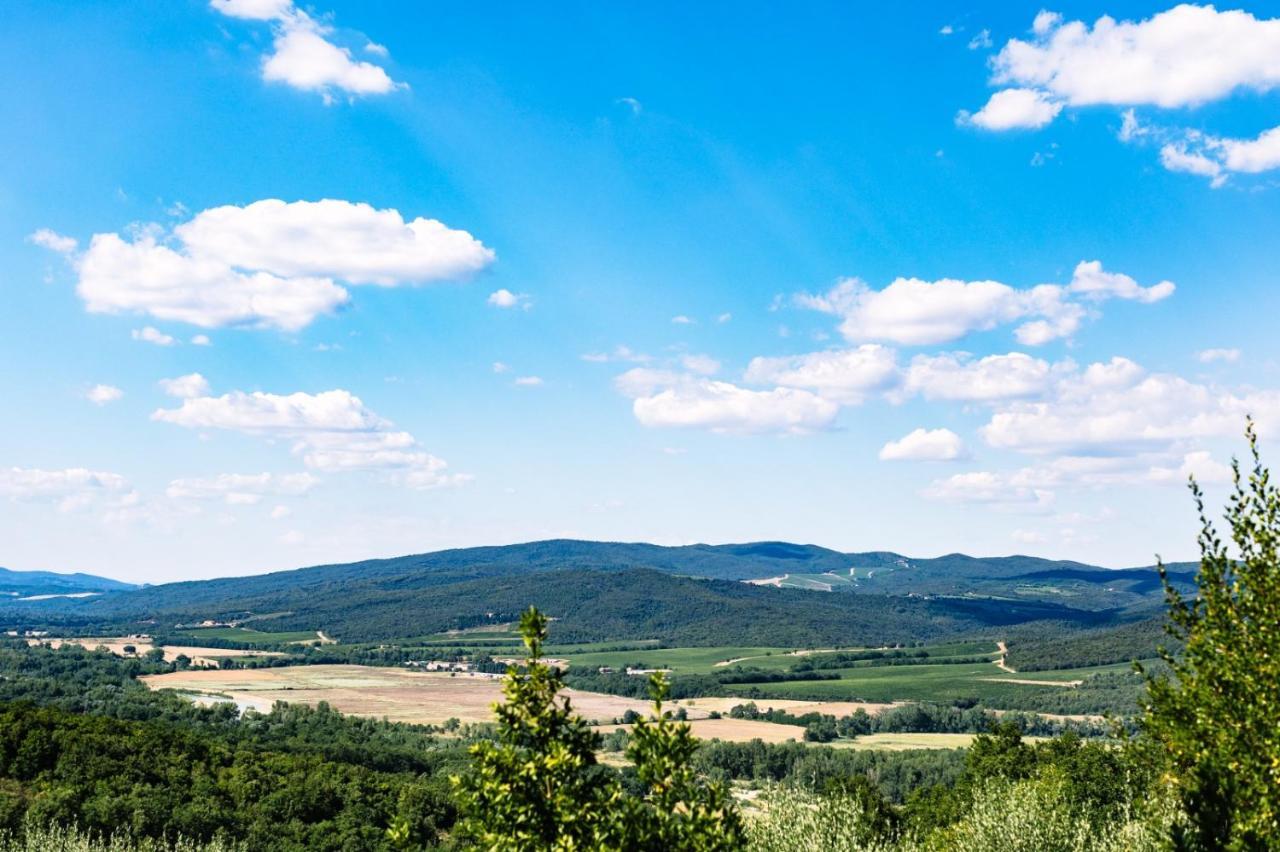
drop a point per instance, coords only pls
(817, 582)
(931, 682)
(685, 660)
(245, 634)
(704, 660)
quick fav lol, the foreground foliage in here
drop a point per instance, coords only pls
(1217, 717)
(539, 785)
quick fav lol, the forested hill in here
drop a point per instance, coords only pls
(25, 584)
(610, 590)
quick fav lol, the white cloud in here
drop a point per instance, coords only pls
(1199, 464)
(845, 376)
(52, 240)
(185, 387)
(916, 312)
(103, 394)
(330, 238)
(681, 319)
(724, 318)
(1094, 283)
(619, 353)
(529, 381)
(664, 399)
(1209, 356)
(1010, 109)
(925, 445)
(1182, 57)
(144, 277)
(957, 376)
(1116, 408)
(703, 365)
(241, 488)
(504, 298)
(501, 367)
(987, 487)
(1027, 537)
(280, 512)
(70, 489)
(1176, 158)
(149, 334)
(332, 431)
(268, 264)
(981, 41)
(201, 340)
(303, 55)
(1216, 157)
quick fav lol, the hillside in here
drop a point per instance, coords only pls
(22, 586)
(615, 591)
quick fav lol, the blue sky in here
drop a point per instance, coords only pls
(294, 284)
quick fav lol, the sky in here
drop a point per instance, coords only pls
(288, 284)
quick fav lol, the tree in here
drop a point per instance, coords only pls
(1217, 716)
(538, 786)
(679, 810)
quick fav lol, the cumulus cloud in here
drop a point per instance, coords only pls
(1117, 408)
(1011, 109)
(504, 298)
(846, 376)
(304, 56)
(916, 312)
(70, 489)
(1216, 157)
(666, 399)
(1183, 57)
(333, 431)
(925, 445)
(241, 488)
(269, 264)
(185, 387)
(958, 376)
(103, 394)
(52, 240)
(1186, 56)
(149, 334)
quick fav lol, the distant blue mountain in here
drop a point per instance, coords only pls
(25, 585)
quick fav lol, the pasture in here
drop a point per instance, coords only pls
(251, 636)
(399, 695)
(199, 656)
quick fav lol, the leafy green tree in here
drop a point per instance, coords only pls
(1218, 717)
(538, 786)
(679, 810)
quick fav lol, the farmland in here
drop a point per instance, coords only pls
(251, 636)
(394, 694)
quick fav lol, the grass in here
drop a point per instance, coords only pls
(249, 635)
(684, 660)
(933, 682)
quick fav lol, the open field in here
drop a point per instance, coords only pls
(791, 705)
(247, 634)
(907, 742)
(399, 695)
(930, 682)
(735, 730)
(199, 656)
